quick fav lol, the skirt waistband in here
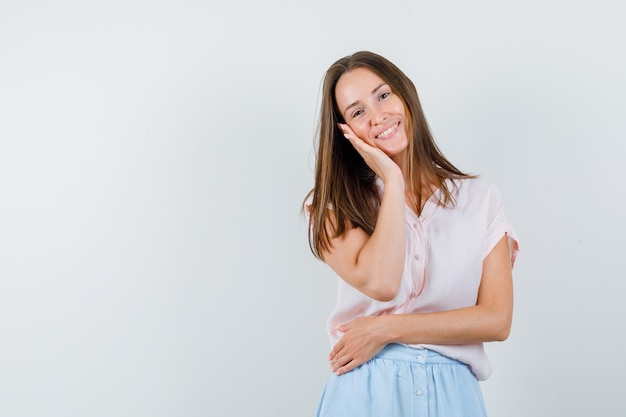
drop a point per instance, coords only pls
(399, 352)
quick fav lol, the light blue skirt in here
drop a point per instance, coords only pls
(404, 382)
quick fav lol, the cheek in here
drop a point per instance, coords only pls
(360, 130)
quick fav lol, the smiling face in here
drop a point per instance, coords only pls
(373, 111)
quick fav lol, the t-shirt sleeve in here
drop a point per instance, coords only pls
(498, 225)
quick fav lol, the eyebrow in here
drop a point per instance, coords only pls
(357, 102)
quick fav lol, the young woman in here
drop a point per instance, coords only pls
(424, 252)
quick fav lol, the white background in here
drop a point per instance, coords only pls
(154, 156)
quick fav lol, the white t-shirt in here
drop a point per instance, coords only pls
(443, 265)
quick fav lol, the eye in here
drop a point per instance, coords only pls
(357, 113)
(383, 96)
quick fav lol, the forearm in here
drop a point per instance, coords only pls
(488, 320)
(466, 325)
(380, 263)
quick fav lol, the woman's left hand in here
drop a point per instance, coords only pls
(363, 338)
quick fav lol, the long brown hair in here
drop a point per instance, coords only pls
(343, 181)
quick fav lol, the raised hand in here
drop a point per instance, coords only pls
(375, 158)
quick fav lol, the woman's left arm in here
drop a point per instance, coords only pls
(489, 320)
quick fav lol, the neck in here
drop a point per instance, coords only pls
(400, 160)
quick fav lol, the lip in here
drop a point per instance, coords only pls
(394, 129)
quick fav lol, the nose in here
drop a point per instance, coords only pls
(378, 116)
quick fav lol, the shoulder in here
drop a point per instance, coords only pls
(475, 194)
(473, 188)
(309, 204)
(475, 185)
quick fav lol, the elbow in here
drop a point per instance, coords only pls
(378, 286)
(501, 329)
(386, 289)
(501, 335)
(384, 293)
(384, 296)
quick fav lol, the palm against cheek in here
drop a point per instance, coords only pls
(375, 158)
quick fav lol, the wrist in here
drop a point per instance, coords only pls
(394, 185)
(393, 176)
(389, 330)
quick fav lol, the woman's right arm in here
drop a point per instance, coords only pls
(374, 264)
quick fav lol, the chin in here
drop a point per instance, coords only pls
(395, 151)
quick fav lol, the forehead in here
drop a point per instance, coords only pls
(356, 85)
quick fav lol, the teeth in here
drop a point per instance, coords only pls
(387, 132)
